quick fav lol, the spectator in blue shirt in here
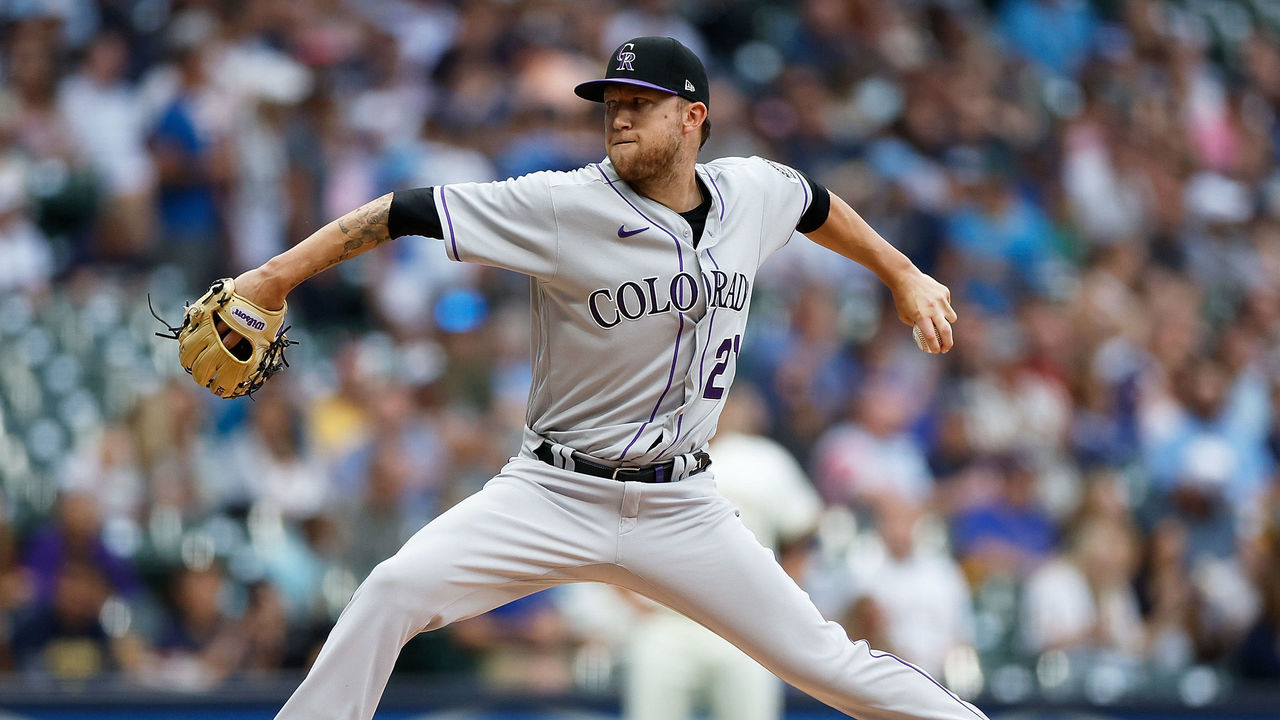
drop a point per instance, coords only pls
(1057, 35)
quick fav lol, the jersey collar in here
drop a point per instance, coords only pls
(669, 217)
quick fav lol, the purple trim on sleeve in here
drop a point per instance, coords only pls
(953, 696)
(671, 374)
(453, 239)
(716, 187)
(804, 184)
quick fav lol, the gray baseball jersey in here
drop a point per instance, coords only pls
(635, 331)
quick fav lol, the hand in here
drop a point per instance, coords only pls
(257, 287)
(260, 288)
(926, 303)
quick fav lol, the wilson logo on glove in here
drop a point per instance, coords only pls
(249, 320)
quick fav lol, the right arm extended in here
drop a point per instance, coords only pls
(356, 232)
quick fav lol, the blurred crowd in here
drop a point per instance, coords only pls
(1081, 497)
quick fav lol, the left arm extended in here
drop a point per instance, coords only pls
(920, 299)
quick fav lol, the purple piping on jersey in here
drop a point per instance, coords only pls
(679, 429)
(950, 694)
(679, 254)
(453, 239)
(671, 374)
(716, 187)
(702, 364)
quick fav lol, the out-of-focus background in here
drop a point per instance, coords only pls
(1078, 507)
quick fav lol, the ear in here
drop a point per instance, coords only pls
(694, 114)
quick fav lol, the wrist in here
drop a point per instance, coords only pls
(270, 283)
(897, 271)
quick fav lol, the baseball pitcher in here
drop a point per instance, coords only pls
(641, 269)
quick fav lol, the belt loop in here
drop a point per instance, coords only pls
(565, 453)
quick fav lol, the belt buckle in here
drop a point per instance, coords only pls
(620, 470)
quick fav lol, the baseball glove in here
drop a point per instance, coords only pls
(230, 372)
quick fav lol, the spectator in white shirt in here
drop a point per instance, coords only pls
(913, 587)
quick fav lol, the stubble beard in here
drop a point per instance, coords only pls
(649, 167)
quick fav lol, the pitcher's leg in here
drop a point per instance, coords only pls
(717, 574)
(488, 550)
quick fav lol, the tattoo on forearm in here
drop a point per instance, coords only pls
(364, 228)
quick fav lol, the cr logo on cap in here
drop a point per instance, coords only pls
(626, 57)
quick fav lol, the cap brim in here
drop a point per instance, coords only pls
(593, 90)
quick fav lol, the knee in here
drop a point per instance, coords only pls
(815, 665)
(390, 585)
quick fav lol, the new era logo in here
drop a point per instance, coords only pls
(688, 86)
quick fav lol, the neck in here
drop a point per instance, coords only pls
(677, 188)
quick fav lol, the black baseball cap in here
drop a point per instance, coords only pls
(660, 63)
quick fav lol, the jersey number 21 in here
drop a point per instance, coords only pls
(724, 354)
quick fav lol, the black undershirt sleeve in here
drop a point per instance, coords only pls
(413, 212)
(819, 207)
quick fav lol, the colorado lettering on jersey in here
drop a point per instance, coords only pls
(633, 300)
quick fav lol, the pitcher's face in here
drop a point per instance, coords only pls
(643, 131)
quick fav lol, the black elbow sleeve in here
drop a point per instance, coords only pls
(413, 212)
(819, 208)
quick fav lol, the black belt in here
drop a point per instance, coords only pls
(656, 473)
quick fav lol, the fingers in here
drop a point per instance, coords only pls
(926, 305)
(229, 337)
(936, 323)
(945, 338)
(936, 335)
(935, 326)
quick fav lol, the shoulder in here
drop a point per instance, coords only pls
(756, 182)
(550, 179)
(587, 176)
(751, 166)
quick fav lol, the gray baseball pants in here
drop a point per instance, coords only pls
(681, 544)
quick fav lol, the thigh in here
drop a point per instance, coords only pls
(511, 538)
